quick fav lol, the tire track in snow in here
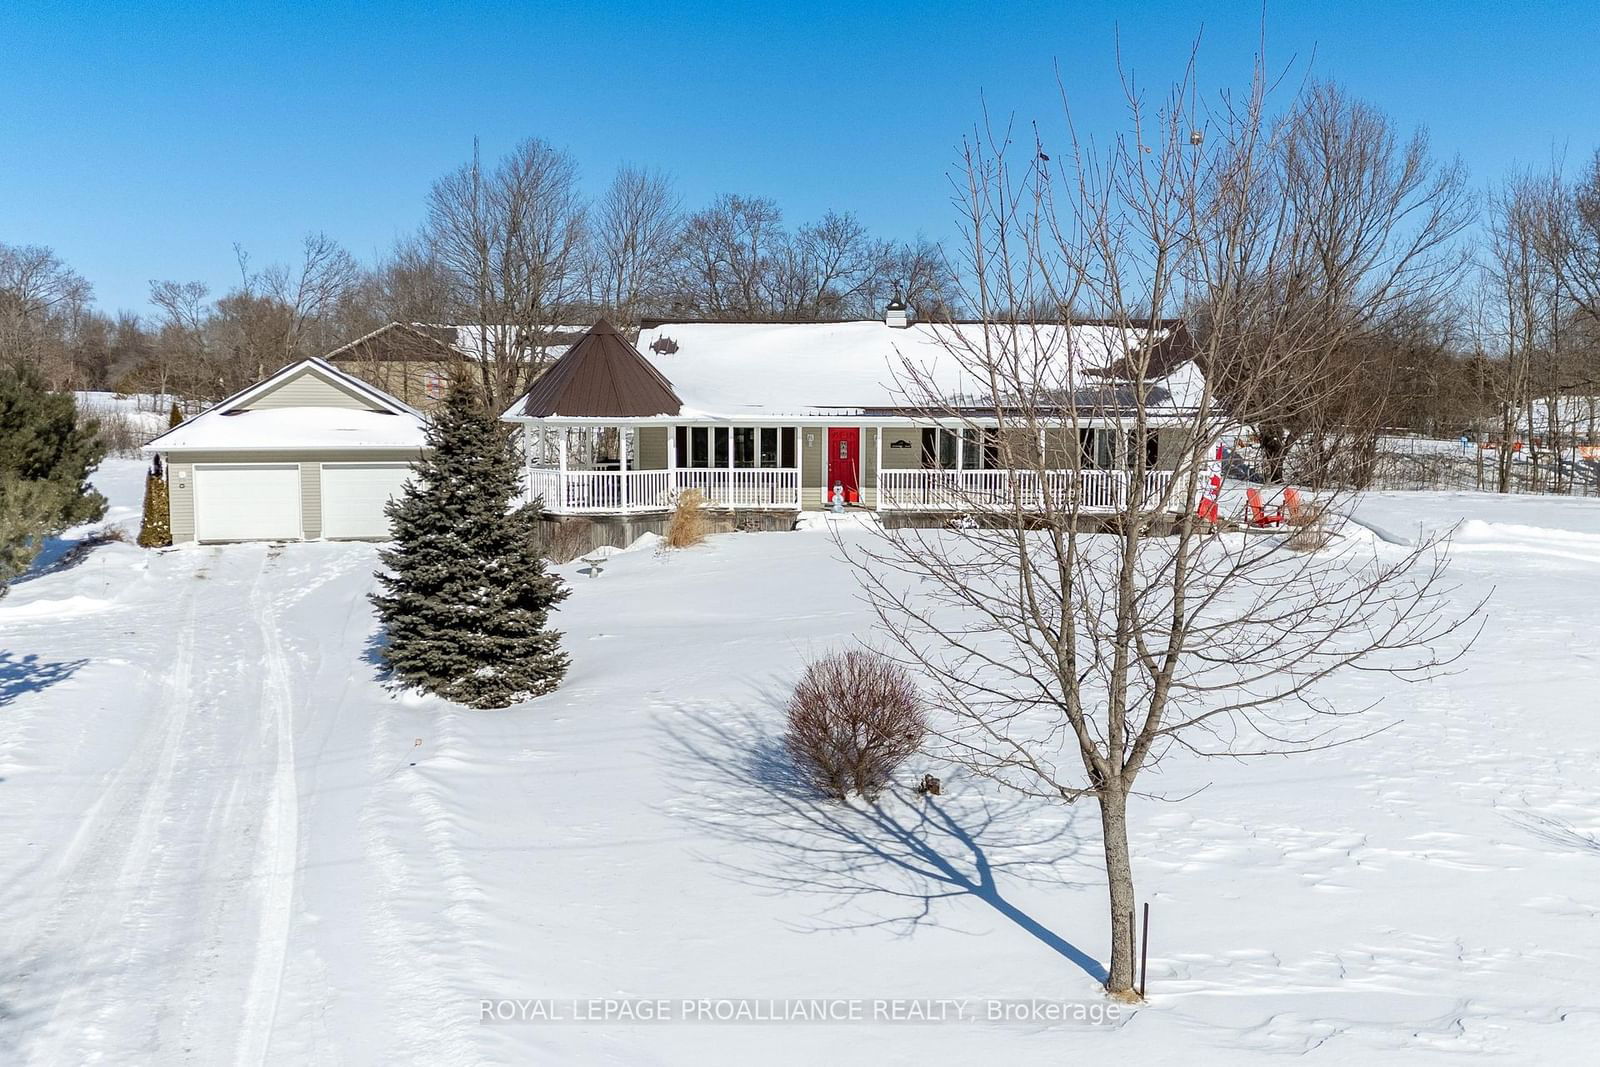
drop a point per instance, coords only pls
(118, 834)
(278, 849)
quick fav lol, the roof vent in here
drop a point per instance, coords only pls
(663, 346)
(897, 315)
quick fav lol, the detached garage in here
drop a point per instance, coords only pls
(311, 452)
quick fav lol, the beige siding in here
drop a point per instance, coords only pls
(405, 379)
(310, 390)
(180, 481)
(650, 448)
(813, 454)
(311, 498)
(180, 501)
(908, 458)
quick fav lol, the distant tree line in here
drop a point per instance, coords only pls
(1427, 307)
(511, 244)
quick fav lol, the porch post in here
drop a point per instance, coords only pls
(799, 465)
(622, 466)
(877, 471)
(672, 461)
(961, 446)
(561, 466)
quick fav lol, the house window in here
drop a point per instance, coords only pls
(980, 448)
(1152, 448)
(750, 447)
(1098, 449)
(744, 446)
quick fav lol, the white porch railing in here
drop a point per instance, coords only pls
(744, 488)
(583, 492)
(1001, 490)
(613, 492)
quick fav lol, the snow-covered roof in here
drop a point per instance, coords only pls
(261, 429)
(374, 420)
(473, 342)
(476, 341)
(754, 370)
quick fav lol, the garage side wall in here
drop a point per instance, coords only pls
(180, 481)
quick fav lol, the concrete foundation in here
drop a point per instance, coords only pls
(571, 536)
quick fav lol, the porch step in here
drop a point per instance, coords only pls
(827, 521)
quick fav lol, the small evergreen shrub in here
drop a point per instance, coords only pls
(854, 718)
(155, 528)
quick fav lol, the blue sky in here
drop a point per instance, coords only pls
(142, 141)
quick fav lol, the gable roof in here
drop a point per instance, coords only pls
(399, 342)
(602, 376)
(379, 420)
(396, 342)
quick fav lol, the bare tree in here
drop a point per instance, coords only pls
(1365, 229)
(633, 243)
(511, 241)
(730, 253)
(1072, 636)
(42, 302)
(181, 360)
(830, 269)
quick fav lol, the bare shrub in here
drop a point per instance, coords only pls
(688, 525)
(1311, 531)
(853, 718)
(565, 541)
(124, 434)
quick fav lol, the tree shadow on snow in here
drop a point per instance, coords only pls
(895, 862)
(30, 674)
(1555, 831)
(63, 554)
(372, 651)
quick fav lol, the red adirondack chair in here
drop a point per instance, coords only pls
(1259, 515)
(1293, 511)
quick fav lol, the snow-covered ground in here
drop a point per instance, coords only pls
(225, 842)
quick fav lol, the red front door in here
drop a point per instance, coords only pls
(844, 463)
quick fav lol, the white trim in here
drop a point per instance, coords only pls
(827, 470)
(314, 365)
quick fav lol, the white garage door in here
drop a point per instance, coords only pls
(247, 502)
(353, 496)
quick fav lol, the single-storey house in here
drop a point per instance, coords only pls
(309, 452)
(781, 416)
(414, 361)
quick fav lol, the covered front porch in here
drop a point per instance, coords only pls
(587, 470)
(578, 467)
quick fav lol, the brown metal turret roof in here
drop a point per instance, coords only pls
(602, 376)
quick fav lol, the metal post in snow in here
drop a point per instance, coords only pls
(1144, 948)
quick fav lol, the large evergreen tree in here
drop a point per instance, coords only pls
(46, 455)
(466, 611)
